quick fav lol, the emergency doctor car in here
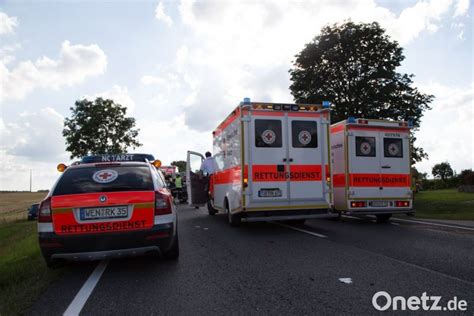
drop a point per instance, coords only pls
(108, 206)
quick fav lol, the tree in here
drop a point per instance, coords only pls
(181, 164)
(99, 127)
(442, 171)
(354, 66)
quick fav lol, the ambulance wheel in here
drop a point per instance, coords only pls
(234, 219)
(383, 218)
(173, 252)
(210, 209)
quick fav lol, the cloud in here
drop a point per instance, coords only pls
(119, 95)
(462, 7)
(37, 135)
(161, 15)
(7, 23)
(74, 65)
(446, 132)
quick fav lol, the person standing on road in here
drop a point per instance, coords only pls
(178, 182)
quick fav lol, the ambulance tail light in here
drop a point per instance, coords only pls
(403, 124)
(402, 203)
(358, 204)
(162, 204)
(44, 212)
(246, 182)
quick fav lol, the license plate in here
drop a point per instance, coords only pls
(103, 213)
(269, 193)
(379, 203)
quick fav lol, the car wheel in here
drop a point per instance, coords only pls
(173, 252)
(383, 218)
(210, 209)
(234, 219)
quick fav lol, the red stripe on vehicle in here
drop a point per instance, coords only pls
(338, 128)
(339, 180)
(391, 129)
(270, 173)
(231, 175)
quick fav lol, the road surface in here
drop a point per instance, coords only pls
(322, 267)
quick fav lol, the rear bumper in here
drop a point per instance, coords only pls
(262, 216)
(379, 211)
(107, 245)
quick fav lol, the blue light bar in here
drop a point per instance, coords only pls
(326, 104)
(117, 158)
(351, 119)
(246, 100)
(410, 123)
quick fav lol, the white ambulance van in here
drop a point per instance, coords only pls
(272, 164)
(371, 167)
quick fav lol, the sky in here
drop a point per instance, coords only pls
(180, 67)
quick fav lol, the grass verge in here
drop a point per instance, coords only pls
(23, 273)
(445, 204)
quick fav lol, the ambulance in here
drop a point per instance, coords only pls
(272, 163)
(371, 167)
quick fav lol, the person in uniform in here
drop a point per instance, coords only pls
(208, 165)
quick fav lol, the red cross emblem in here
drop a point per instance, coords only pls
(105, 176)
(304, 137)
(268, 136)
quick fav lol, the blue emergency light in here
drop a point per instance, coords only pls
(246, 101)
(117, 158)
(351, 119)
(410, 123)
(326, 104)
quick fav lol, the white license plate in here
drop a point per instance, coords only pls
(379, 203)
(94, 213)
(269, 193)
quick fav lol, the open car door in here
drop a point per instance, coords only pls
(197, 185)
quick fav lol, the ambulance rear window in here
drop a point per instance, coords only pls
(392, 148)
(304, 134)
(105, 179)
(268, 133)
(365, 146)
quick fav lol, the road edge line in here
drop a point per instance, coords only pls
(86, 290)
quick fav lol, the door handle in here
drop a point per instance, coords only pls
(284, 159)
(291, 159)
(386, 167)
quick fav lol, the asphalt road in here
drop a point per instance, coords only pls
(265, 268)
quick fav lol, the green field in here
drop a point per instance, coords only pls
(445, 204)
(23, 273)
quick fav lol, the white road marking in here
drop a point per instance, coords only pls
(346, 280)
(81, 297)
(301, 230)
(431, 223)
(396, 224)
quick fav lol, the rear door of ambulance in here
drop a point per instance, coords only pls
(364, 163)
(103, 198)
(395, 163)
(285, 157)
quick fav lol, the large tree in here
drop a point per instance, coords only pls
(99, 126)
(354, 66)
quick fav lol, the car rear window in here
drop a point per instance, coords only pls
(105, 179)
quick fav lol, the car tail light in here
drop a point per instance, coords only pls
(358, 204)
(402, 203)
(44, 212)
(162, 203)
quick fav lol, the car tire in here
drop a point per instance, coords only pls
(173, 252)
(211, 210)
(53, 263)
(234, 219)
(383, 218)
